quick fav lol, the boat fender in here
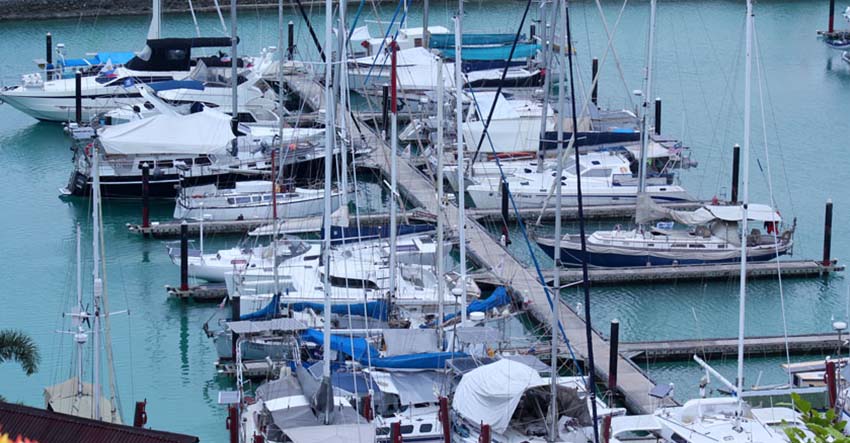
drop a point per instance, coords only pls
(618, 227)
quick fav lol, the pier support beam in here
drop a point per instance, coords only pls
(736, 166)
(184, 256)
(594, 70)
(484, 437)
(827, 233)
(395, 432)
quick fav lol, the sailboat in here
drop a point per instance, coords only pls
(76, 396)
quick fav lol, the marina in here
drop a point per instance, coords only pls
(440, 225)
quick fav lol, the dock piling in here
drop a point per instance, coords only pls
(831, 385)
(658, 116)
(827, 233)
(146, 215)
(594, 70)
(184, 256)
(78, 97)
(385, 109)
(736, 166)
(233, 423)
(484, 437)
(614, 344)
(831, 16)
(444, 419)
(140, 418)
(532, 31)
(505, 201)
(395, 432)
(290, 31)
(48, 53)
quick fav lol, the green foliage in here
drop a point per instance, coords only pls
(17, 346)
(823, 426)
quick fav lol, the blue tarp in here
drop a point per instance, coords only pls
(498, 298)
(343, 344)
(271, 310)
(523, 50)
(117, 58)
(430, 360)
(176, 84)
(375, 309)
(444, 41)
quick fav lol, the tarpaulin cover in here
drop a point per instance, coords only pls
(410, 341)
(206, 132)
(430, 360)
(523, 50)
(374, 309)
(490, 394)
(361, 348)
(443, 41)
(176, 84)
(271, 310)
(497, 299)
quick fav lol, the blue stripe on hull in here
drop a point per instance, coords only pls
(571, 257)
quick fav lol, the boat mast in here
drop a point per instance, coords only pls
(326, 246)
(234, 60)
(393, 171)
(441, 266)
(342, 80)
(277, 174)
(556, 279)
(80, 335)
(744, 203)
(154, 31)
(461, 198)
(98, 283)
(647, 93)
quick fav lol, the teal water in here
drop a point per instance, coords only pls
(160, 351)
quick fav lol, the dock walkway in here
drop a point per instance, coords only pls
(718, 347)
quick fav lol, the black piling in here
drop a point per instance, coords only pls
(505, 201)
(736, 166)
(385, 108)
(78, 97)
(532, 31)
(827, 233)
(48, 48)
(140, 416)
(831, 16)
(290, 32)
(594, 70)
(184, 256)
(146, 190)
(395, 432)
(657, 116)
(614, 345)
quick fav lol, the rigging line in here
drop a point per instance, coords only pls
(381, 47)
(535, 261)
(356, 19)
(499, 88)
(105, 302)
(310, 28)
(591, 374)
(759, 76)
(194, 19)
(608, 33)
(220, 17)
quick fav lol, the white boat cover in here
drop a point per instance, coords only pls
(490, 394)
(411, 387)
(332, 434)
(206, 132)
(410, 341)
(647, 211)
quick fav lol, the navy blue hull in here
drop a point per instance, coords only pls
(572, 258)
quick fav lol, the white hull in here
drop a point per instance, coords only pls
(301, 203)
(487, 198)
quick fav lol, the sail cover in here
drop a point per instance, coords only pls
(647, 211)
(206, 132)
(357, 348)
(332, 434)
(490, 394)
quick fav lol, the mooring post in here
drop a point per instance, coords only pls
(657, 116)
(235, 313)
(385, 109)
(444, 419)
(48, 55)
(827, 234)
(484, 437)
(141, 416)
(614, 345)
(233, 423)
(290, 35)
(146, 183)
(395, 432)
(78, 97)
(831, 16)
(594, 70)
(532, 31)
(831, 384)
(184, 256)
(367, 407)
(505, 201)
(736, 166)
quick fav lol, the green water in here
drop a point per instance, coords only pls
(160, 351)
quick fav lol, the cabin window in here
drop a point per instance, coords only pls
(165, 163)
(241, 200)
(256, 198)
(602, 172)
(267, 197)
(383, 431)
(176, 54)
(407, 429)
(678, 438)
(353, 283)
(425, 428)
(696, 245)
(188, 161)
(594, 162)
(679, 245)
(231, 201)
(203, 161)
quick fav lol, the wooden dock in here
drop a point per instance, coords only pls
(727, 347)
(207, 292)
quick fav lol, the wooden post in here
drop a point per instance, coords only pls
(831, 385)
(233, 423)
(831, 16)
(48, 55)
(140, 417)
(505, 201)
(78, 97)
(444, 420)
(736, 166)
(594, 70)
(385, 109)
(484, 436)
(235, 313)
(614, 345)
(290, 30)
(184, 256)
(827, 233)
(657, 116)
(395, 432)
(146, 215)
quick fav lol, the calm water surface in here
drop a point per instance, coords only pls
(161, 352)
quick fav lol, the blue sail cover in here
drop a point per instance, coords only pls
(341, 234)
(176, 84)
(523, 50)
(429, 360)
(375, 309)
(340, 343)
(498, 298)
(271, 310)
(101, 58)
(445, 41)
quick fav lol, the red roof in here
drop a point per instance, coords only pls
(48, 427)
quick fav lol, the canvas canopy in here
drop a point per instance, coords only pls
(410, 387)
(490, 394)
(410, 341)
(648, 211)
(206, 132)
(332, 434)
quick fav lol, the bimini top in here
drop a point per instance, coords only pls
(172, 54)
(491, 393)
(205, 132)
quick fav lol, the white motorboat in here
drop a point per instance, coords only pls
(364, 44)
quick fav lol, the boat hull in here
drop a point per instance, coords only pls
(492, 199)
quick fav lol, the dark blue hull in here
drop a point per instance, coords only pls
(572, 257)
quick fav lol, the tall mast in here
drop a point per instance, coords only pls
(393, 170)
(647, 93)
(545, 108)
(234, 59)
(461, 198)
(556, 279)
(155, 29)
(98, 283)
(326, 246)
(278, 174)
(342, 80)
(426, 35)
(441, 266)
(80, 336)
(744, 203)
